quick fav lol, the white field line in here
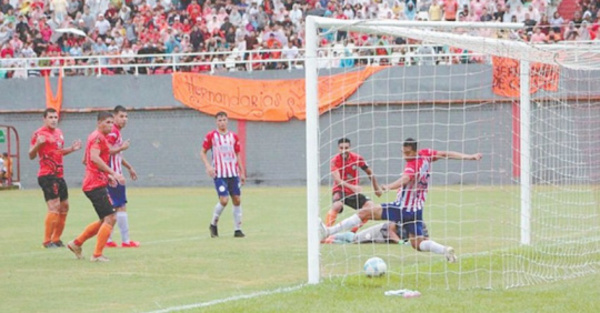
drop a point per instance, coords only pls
(229, 299)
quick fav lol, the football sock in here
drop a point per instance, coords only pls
(103, 235)
(346, 224)
(59, 227)
(123, 224)
(430, 245)
(90, 231)
(217, 213)
(237, 217)
(331, 217)
(51, 221)
(355, 228)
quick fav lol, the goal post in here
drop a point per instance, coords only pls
(554, 141)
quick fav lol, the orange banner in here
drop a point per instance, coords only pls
(53, 101)
(263, 100)
(507, 72)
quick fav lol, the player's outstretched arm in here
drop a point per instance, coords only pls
(401, 182)
(374, 183)
(74, 147)
(453, 155)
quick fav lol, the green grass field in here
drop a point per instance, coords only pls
(179, 265)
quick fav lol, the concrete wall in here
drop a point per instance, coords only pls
(166, 144)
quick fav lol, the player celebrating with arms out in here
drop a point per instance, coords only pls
(97, 177)
(407, 210)
(346, 190)
(48, 144)
(227, 171)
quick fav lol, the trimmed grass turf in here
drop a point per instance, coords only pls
(179, 264)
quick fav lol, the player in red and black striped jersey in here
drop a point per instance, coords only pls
(47, 143)
(346, 189)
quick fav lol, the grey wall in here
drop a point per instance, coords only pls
(166, 143)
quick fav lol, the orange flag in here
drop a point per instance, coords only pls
(263, 100)
(506, 79)
(53, 101)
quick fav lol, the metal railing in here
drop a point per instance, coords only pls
(212, 62)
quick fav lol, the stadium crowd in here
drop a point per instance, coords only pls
(233, 30)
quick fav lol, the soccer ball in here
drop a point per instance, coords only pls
(374, 267)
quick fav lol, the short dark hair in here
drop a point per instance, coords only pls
(344, 140)
(119, 108)
(49, 110)
(102, 115)
(221, 113)
(409, 142)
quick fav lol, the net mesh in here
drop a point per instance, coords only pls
(445, 100)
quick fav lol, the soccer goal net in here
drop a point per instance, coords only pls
(528, 212)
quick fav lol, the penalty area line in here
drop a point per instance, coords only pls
(229, 299)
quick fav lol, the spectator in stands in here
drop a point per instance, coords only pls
(409, 11)
(529, 23)
(584, 32)
(450, 10)
(556, 22)
(538, 36)
(571, 32)
(435, 11)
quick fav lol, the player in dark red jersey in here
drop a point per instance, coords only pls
(48, 144)
(97, 177)
(407, 210)
(227, 171)
(346, 188)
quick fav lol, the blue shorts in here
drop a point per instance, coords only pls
(411, 222)
(117, 195)
(228, 186)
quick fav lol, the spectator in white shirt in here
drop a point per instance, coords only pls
(102, 25)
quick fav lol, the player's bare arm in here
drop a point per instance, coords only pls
(116, 149)
(453, 155)
(401, 182)
(241, 168)
(132, 172)
(76, 145)
(210, 170)
(95, 158)
(338, 180)
(374, 183)
(33, 150)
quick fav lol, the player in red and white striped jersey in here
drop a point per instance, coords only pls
(117, 193)
(407, 210)
(226, 170)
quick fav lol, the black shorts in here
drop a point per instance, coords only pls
(355, 201)
(53, 187)
(100, 201)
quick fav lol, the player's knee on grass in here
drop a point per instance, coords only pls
(415, 242)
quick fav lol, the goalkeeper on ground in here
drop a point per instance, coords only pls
(387, 232)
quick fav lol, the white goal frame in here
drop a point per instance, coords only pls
(412, 29)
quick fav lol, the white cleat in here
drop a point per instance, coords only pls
(450, 256)
(323, 231)
(75, 249)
